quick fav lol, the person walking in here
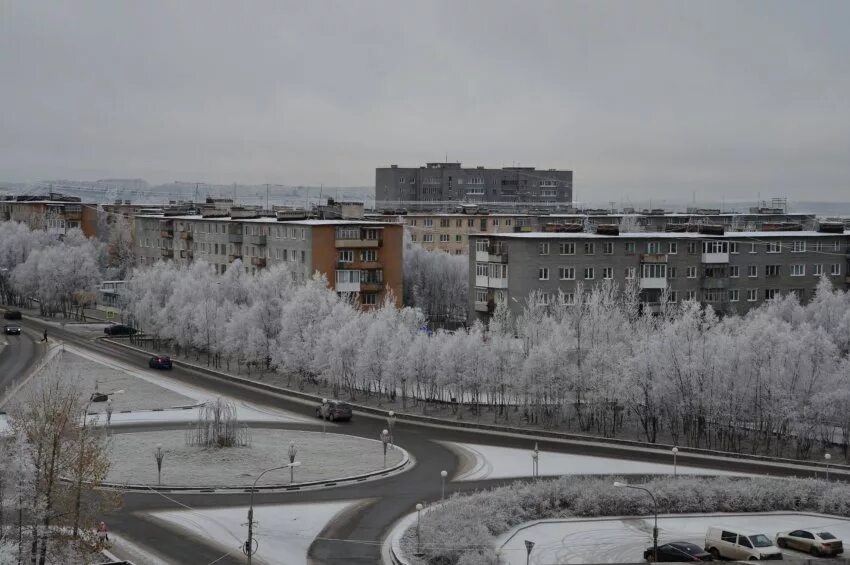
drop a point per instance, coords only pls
(102, 532)
(44, 339)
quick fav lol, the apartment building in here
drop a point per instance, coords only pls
(436, 183)
(450, 232)
(356, 256)
(53, 212)
(731, 271)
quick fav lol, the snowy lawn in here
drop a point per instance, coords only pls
(493, 462)
(332, 456)
(284, 532)
(623, 540)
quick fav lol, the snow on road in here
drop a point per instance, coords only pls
(623, 540)
(284, 532)
(493, 462)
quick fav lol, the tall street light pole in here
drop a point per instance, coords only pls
(655, 505)
(827, 457)
(249, 545)
(675, 452)
(419, 529)
(385, 439)
(443, 475)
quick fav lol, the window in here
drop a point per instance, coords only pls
(498, 271)
(607, 272)
(772, 271)
(690, 295)
(567, 273)
(630, 248)
(567, 248)
(543, 248)
(672, 297)
(836, 245)
(754, 248)
(608, 248)
(458, 238)
(672, 273)
(817, 270)
(771, 293)
(734, 295)
(713, 295)
(818, 246)
(630, 273)
(429, 222)
(481, 270)
(715, 247)
(495, 221)
(733, 247)
(774, 247)
(798, 246)
(693, 247)
(481, 295)
(413, 237)
(569, 298)
(543, 273)
(345, 256)
(341, 233)
(798, 270)
(458, 223)
(752, 271)
(369, 255)
(742, 540)
(653, 247)
(691, 272)
(734, 271)
(347, 277)
(673, 247)
(444, 222)
(444, 238)
(752, 294)
(370, 299)
(835, 269)
(428, 238)
(482, 245)
(653, 271)
(589, 248)
(588, 273)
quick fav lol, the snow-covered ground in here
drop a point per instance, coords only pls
(133, 461)
(623, 540)
(284, 532)
(493, 462)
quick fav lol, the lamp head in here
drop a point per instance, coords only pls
(618, 484)
(444, 474)
(419, 506)
(827, 456)
(675, 450)
(391, 414)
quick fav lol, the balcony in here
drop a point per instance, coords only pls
(653, 257)
(482, 256)
(368, 265)
(481, 281)
(186, 254)
(166, 233)
(234, 237)
(482, 306)
(371, 286)
(358, 243)
(258, 261)
(653, 282)
(232, 258)
(498, 257)
(186, 235)
(255, 239)
(713, 283)
(497, 283)
(713, 258)
(348, 287)
(168, 253)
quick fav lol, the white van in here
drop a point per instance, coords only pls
(738, 545)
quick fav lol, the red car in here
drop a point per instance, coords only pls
(160, 362)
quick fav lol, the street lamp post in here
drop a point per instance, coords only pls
(249, 545)
(675, 451)
(535, 462)
(391, 425)
(109, 409)
(443, 475)
(385, 439)
(159, 454)
(655, 527)
(827, 457)
(324, 412)
(419, 529)
(292, 451)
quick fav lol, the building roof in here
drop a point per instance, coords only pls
(660, 235)
(266, 220)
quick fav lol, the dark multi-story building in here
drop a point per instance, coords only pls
(438, 184)
(732, 271)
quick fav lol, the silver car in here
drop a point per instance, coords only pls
(816, 542)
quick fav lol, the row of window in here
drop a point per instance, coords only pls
(661, 270)
(710, 295)
(672, 247)
(366, 255)
(458, 222)
(444, 238)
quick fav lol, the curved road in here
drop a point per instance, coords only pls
(363, 529)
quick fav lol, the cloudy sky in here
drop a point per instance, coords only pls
(640, 98)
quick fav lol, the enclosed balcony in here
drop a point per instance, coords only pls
(255, 239)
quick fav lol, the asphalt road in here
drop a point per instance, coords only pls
(17, 357)
(391, 498)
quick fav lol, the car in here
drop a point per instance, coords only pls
(678, 552)
(12, 330)
(12, 315)
(119, 329)
(334, 410)
(738, 545)
(160, 362)
(814, 541)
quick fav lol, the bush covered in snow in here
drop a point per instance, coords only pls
(463, 530)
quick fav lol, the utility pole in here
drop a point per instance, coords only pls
(267, 197)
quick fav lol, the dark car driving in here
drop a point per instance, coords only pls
(12, 330)
(334, 410)
(12, 315)
(678, 551)
(160, 362)
(119, 329)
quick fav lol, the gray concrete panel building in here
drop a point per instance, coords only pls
(438, 183)
(733, 271)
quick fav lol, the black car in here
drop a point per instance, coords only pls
(12, 330)
(12, 315)
(160, 362)
(334, 410)
(119, 329)
(679, 551)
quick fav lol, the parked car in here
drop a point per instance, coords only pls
(678, 552)
(739, 545)
(160, 362)
(12, 315)
(119, 329)
(816, 542)
(334, 410)
(12, 330)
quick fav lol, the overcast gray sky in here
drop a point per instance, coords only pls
(639, 98)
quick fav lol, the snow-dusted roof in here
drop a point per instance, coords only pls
(266, 220)
(660, 235)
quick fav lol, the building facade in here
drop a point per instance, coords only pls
(732, 271)
(437, 183)
(55, 213)
(355, 256)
